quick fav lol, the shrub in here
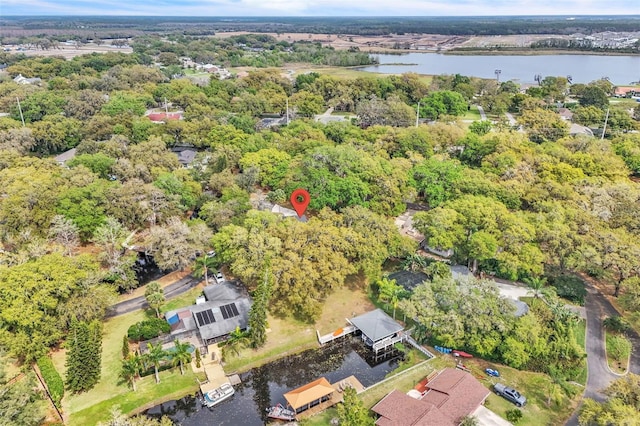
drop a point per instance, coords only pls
(52, 379)
(148, 329)
(570, 287)
(616, 323)
(514, 415)
(618, 347)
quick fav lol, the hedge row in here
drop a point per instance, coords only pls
(52, 379)
(148, 329)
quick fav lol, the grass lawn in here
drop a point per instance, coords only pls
(618, 349)
(581, 336)
(93, 406)
(472, 114)
(187, 298)
(288, 336)
(321, 419)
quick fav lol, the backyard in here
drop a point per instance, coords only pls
(93, 406)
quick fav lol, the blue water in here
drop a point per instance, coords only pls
(620, 70)
(265, 386)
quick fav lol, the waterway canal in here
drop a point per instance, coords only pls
(263, 387)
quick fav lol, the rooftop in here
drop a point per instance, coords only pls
(227, 307)
(376, 325)
(309, 393)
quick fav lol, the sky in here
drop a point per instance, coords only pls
(319, 7)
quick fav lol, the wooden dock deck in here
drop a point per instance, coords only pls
(341, 332)
(336, 397)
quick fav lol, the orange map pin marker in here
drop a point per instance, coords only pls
(300, 200)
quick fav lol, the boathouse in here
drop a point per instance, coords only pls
(309, 395)
(379, 330)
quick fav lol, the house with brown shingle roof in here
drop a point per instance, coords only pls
(448, 398)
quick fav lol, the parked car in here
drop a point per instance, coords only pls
(510, 394)
(219, 276)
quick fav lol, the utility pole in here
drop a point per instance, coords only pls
(498, 72)
(20, 109)
(604, 129)
(417, 114)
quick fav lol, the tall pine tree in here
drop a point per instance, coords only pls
(257, 330)
(84, 355)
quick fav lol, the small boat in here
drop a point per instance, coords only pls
(218, 395)
(280, 413)
(462, 354)
(492, 372)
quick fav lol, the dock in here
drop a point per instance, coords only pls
(212, 368)
(336, 397)
(337, 334)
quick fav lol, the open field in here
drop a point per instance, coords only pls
(70, 52)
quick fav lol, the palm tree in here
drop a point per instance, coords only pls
(202, 266)
(390, 292)
(537, 287)
(181, 355)
(131, 369)
(236, 340)
(155, 296)
(414, 262)
(154, 356)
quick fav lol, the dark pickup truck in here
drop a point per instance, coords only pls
(510, 394)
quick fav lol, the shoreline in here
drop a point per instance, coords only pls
(497, 52)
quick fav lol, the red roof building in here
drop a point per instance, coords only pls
(448, 398)
(160, 117)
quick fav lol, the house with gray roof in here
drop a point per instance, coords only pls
(379, 330)
(225, 307)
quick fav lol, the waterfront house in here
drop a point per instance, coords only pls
(225, 307)
(442, 400)
(379, 330)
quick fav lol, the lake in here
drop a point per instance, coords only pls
(265, 386)
(621, 70)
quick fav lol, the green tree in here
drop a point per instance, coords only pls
(620, 408)
(594, 95)
(543, 125)
(155, 355)
(258, 314)
(20, 403)
(443, 102)
(202, 265)
(236, 340)
(154, 295)
(131, 367)
(181, 355)
(126, 350)
(31, 297)
(352, 411)
(83, 355)
(390, 292)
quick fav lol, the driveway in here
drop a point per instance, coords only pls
(170, 291)
(483, 116)
(598, 307)
(487, 417)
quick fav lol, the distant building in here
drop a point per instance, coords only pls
(23, 80)
(626, 91)
(186, 154)
(65, 156)
(163, 117)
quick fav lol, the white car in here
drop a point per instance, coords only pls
(219, 276)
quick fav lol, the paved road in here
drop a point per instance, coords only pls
(483, 116)
(170, 291)
(597, 308)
